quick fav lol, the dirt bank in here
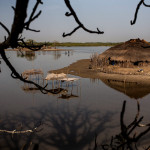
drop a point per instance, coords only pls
(132, 75)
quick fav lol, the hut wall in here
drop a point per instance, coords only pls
(124, 64)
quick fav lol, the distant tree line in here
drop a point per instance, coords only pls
(70, 44)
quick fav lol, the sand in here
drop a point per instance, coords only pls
(131, 75)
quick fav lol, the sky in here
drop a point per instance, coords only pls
(111, 16)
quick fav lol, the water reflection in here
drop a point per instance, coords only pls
(29, 55)
(77, 128)
(84, 123)
(57, 54)
(60, 85)
(61, 129)
(132, 89)
(131, 135)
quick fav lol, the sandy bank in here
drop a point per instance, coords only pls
(131, 75)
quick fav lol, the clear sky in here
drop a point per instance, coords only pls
(111, 16)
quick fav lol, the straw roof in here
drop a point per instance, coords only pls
(133, 50)
(69, 79)
(32, 72)
(53, 76)
(28, 73)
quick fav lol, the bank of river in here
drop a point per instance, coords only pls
(81, 68)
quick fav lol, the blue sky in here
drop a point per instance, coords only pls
(111, 16)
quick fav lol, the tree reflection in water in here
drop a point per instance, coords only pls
(29, 55)
(129, 137)
(57, 54)
(62, 129)
(66, 128)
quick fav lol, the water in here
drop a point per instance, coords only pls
(63, 123)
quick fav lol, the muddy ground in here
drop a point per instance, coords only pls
(114, 73)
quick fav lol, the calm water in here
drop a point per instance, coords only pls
(64, 124)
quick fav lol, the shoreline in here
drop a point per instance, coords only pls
(28, 50)
(81, 68)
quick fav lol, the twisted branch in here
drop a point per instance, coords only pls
(16, 132)
(137, 10)
(146, 5)
(31, 47)
(125, 140)
(6, 29)
(21, 131)
(80, 25)
(32, 17)
(74, 30)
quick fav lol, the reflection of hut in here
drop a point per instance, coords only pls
(132, 89)
(33, 90)
(33, 74)
(57, 83)
(30, 55)
(129, 54)
(68, 96)
(29, 89)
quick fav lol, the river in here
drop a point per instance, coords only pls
(91, 114)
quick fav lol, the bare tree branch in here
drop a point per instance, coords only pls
(13, 8)
(31, 47)
(34, 129)
(136, 12)
(16, 132)
(33, 30)
(72, 13)
(5, 28)
(69, 34)
(145, 4)
(32, 17)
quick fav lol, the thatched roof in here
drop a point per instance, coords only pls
(53, 76)
(133, 50)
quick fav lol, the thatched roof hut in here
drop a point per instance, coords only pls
(129, 54)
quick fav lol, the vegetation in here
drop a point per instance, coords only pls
(70, 44)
